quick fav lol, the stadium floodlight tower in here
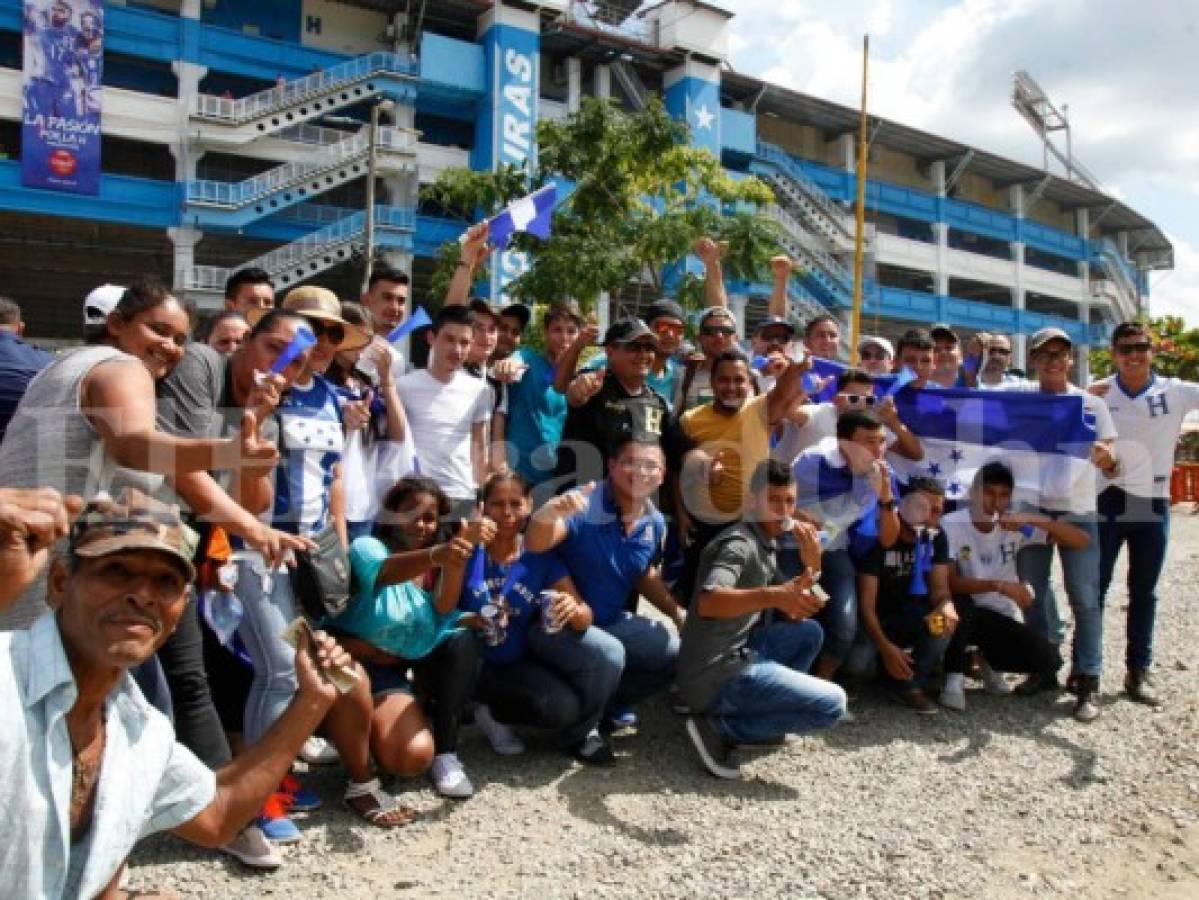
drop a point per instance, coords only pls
(1046, 119)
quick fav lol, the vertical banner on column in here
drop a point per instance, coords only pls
(64, 60)
(509, 130)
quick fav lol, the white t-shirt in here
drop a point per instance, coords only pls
(440, 416)
(795, 439)
(1148, 424)
(987, 556)
(1078, 495)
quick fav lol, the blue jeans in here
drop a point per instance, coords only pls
(266, 617)
(774, 696)
(1144, 525)
(1080, 570)
(908, 629)
(587, 666)
(355, 530)
(839, 618)
(650, 653)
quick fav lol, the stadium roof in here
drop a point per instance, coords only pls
(1107, 213)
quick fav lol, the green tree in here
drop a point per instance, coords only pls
(641, 196)
(1177, 352)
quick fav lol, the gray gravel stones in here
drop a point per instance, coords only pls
(1011, 798)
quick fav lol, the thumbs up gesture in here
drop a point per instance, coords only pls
(479, 530)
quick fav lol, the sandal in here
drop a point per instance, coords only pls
(384, 810)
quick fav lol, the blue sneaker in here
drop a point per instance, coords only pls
(275, 824)
(300, 798)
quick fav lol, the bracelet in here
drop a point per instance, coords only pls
(463, 264)
(886, 504)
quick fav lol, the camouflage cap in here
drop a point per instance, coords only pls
(134, 521)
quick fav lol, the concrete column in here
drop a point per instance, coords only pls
(941, 275)
(506, 127)
(1082, 221)
(847, 151)
(574, 84)
(184, 240)
(1019, 340)
(603, 81)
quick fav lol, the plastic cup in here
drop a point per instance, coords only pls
(545, 600)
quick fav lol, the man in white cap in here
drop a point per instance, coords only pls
(875, 355)
(96, 307)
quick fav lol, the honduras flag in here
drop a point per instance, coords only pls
(1045, 439)
(532, 214)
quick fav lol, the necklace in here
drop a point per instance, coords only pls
(85, 771)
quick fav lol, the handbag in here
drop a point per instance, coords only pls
(320, 580)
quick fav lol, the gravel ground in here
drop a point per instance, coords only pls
(1013, 798)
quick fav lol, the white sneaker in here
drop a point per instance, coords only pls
(953, 695)
(252, 848)
(448, 777)
(319, 752)
(503, 739)
(994, 682)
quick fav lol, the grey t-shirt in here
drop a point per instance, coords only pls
(714, 650)
(196, 400)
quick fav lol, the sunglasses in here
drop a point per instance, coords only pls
(860, 399)
(877, 356)
(334, 332)
(1140, 347)
(667, 328)
(1000, 351)
(718, 331)
(641, 347)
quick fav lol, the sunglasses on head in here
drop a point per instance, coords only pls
(718, 330)
(1139, 347)
(333, 331)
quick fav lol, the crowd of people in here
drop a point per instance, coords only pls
(225, 546)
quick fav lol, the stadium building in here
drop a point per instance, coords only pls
(236, 133)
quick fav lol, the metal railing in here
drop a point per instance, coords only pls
(298, 252)
(799, 243)
(631, 83)
(824, 204)
(351, 147)
(246, 109)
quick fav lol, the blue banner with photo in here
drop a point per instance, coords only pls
(63, 64)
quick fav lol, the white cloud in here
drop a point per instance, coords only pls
(1126, 71)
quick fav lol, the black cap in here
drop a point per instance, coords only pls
(518, 311)
(944, 330)
(624, 331)
(771, 321)
(665, 309)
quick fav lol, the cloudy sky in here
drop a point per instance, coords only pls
(1129, 72)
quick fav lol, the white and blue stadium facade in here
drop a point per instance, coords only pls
(234, 133)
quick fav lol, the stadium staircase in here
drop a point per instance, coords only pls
(330, 159)
(322, 159)
(246, 119)
(314, 253)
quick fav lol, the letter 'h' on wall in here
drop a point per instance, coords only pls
(506, 129)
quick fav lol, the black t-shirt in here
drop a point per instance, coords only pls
(894, 567)
(595, 428)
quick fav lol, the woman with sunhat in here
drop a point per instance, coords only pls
(308, 500)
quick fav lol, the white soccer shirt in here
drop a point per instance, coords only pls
(988, 556)
(1148, 424)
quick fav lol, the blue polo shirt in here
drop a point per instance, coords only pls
(605, 561)
(19, 362)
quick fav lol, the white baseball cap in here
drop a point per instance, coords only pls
(882, 343)
(100, 302)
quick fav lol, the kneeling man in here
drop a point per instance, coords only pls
(749, 638)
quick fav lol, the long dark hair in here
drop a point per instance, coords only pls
(389, 520)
